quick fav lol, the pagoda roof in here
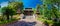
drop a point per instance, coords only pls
(28, 9)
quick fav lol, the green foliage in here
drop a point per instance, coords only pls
(50, 1)
(12, 8)
(16, 5)
(39, 9)
(54, 11)
(10, 11)
(43, 20)
(56, 24)
(8, 21)
(6, 11)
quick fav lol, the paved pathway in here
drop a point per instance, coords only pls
(27, 22)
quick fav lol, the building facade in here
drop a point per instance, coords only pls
(28, 11)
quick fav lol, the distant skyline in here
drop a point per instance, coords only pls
(27, 3)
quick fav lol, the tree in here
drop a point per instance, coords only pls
(55, 11)
(52, 2)
(55, 14)
(38, 9)
(8, 12)
(16, 5)
(5, 12)
(11, 9)
(46, 12)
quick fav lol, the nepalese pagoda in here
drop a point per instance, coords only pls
(28, 11)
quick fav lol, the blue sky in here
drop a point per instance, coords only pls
(27, 3)
(4, 4)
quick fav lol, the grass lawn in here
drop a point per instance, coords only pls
(43, 20)
(7, 21)
(11, 20)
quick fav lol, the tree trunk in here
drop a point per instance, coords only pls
(11, 16)
(7, 17)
